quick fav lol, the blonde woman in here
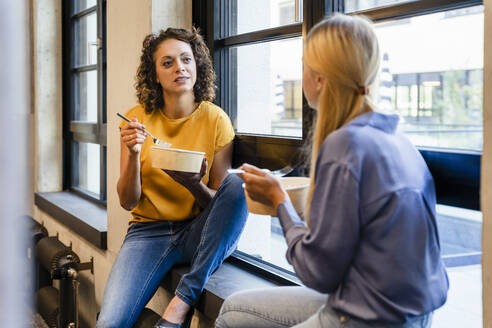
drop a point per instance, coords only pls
(371, 241)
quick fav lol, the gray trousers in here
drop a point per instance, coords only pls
(298, 307)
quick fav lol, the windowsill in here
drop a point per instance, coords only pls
(228, 279)
(87, 219)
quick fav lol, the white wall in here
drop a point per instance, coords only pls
(47, 76)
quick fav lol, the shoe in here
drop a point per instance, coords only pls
(163, 323)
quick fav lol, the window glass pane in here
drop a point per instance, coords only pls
(85, 40)
(262, 238)
(357, 5)
(79, 5)
(266, 78)
(253, 15)
(85, 96)
(460, 232)
(432, 75)
(86, 167)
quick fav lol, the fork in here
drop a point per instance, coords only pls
(154, 139)
(279, 173)
(283, 171)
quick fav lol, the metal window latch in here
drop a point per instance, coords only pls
(99, 43)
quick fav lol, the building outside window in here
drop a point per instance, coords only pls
(434, 70)
(84, 105)
(265, 87)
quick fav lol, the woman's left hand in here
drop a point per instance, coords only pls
(263, 186)
(187, 179)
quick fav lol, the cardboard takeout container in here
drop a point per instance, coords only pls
(176, 159)
(297, 189)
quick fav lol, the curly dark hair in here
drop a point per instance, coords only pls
(149, 91)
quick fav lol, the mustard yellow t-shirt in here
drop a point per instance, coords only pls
(208, 129)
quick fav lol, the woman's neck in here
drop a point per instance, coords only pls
(177, 106)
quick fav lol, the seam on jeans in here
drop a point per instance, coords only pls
(262, 315)
(199, 254)
(183, 297)
(196, 256)
(163, 256)
(205, 227)
(222, 323)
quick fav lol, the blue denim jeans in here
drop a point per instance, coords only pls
(298, 307)
(151, 249)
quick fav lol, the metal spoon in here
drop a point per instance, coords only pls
(156, 141)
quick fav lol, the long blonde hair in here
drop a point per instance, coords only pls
(344, 50)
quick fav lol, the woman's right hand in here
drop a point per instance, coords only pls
(263, 186)
(133, 135)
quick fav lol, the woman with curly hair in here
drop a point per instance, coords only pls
(177, 217)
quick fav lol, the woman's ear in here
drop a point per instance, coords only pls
(319, 81)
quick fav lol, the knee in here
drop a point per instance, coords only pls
(221, 322)
(241, 309)
(227, 314)
(229, 304)
(233, 184)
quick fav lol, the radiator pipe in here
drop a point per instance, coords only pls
(47, 304)
(50, 250)
(37, 232)
(62, 263)
(66, 272)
